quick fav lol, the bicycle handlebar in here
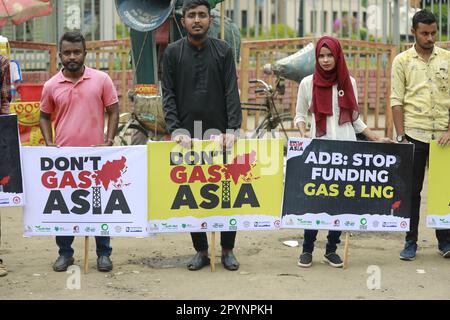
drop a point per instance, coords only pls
(266, 88)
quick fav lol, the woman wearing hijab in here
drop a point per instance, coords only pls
(330, 96)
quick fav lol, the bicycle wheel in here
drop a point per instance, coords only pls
(275, 128)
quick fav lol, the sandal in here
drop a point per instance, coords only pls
(198, 262)
(230, 262)
(3, 270)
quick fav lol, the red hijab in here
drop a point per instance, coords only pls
(323, 81)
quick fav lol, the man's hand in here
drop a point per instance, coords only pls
(4, 109)
(52, 145)
(227, 140)
(444, 140)
(108, 143)
(386, 140)
(184, 140)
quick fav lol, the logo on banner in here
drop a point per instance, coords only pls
(349, 223)
(86, 186)
(59, 229)
(363, 224)
(16, 200)
(233, 225)
(321, 222)
(89, 229)
(168, 226)
(304, 222)
(387, 224)
(296, 146)
(133, 229)
(261, 224)
(42, 229)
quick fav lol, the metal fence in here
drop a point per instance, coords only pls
(369, 63)
(387, 21)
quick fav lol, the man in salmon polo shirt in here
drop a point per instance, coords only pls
(78, 97)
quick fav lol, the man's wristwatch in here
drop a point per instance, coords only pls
(401, 138)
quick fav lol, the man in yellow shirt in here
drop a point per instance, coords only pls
(420, 100)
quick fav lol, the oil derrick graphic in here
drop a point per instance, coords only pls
(226, 194)
(96, 201)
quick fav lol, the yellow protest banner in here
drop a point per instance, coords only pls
(28, 119)
(206, 188)
(438, 187)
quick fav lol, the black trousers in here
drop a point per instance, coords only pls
(310, 237)
(200, 240)
(421, 154)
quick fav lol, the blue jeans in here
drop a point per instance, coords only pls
(65, 246)
(311, 235)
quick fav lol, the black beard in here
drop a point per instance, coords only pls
(74, 68)
(198, 37)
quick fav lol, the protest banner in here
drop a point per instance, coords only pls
(98, 191)
(28, 119)
(208, 189)
(11, 183)
(345, 185)
(438, 187)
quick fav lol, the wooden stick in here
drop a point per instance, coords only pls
(213, 251)
(86, 254)
(346, 250)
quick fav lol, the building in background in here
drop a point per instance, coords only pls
(96, 19)
(360, 19)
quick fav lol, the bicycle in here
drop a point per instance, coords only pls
(141, 125)
(273, 121)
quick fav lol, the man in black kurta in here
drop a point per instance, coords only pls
(200, 98)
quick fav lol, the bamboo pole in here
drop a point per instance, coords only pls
(86, 254)
(346, 250)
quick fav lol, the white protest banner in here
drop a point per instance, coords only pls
(95, 191)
